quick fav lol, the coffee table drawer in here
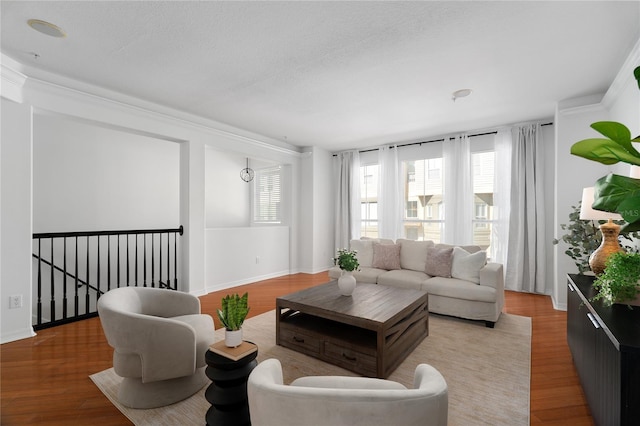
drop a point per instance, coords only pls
(295, 339)
(351, 359)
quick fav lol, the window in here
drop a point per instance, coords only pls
(481, 210)
(428, 211)
(423, 199)
(267, 193)
(412, 209)
(369, 200)
(483, 170)
(434, 166)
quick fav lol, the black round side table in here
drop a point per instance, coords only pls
(228, 392)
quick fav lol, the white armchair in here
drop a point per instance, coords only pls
(352, 401)
(159, 339)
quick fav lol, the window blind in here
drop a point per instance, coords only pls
(267, 193)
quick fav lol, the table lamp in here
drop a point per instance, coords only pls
(609, 231)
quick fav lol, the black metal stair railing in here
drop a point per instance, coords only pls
(95, 262)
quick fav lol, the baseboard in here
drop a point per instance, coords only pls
(231, 284)
(313, 271)
(558, 306)
(24, 333)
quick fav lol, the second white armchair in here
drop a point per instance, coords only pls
(352, 401)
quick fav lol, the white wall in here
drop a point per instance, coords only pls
(307, 210)
(103, 109)
(324, 207)
(236, 256)
(573, 119)
(226, 195)
(623, 97)
(548, 135)
(91, 178)
(317, 207)
(572, 175)
(15, 219)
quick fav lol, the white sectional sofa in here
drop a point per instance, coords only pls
(458, 279)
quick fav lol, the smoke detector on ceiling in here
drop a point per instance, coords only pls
(46, 28)
(462, 93)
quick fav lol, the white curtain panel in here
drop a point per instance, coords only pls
(458, 191)
(501, 197)
(525, 270)
(390, 194)
(347, 198)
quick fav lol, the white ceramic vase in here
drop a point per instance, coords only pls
(232, 338)
(347, 283)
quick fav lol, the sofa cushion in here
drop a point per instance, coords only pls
(364, 251)
(459, 289)
(404, 278)
(386, 256)
(413, 254)
(368, 275)
(466, 266)
(438, 262)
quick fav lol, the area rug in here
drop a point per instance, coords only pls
(487, 371)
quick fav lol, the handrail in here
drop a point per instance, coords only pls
(59, 269)
(91, 257)
(179, 230)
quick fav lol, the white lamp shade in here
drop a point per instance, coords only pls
(588, 213)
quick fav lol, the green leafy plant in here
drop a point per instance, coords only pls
(234, 311)
(583, 238)
(347, 260)
(619, 281)
(614, 193)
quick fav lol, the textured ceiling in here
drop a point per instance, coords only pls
(335, 74)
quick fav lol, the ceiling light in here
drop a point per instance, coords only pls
(46, 28)
(462, 93)
(247, 173)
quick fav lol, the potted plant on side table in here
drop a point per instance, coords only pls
(234, 311)
(348, 262)
(619, 281)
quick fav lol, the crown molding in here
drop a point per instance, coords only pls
(11, 80)
(581, 105)
(52, 83)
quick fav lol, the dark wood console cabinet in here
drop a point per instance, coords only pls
(605, 345)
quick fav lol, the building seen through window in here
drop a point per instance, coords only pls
(423, 198)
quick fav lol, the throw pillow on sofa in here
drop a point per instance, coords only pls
(466, 266)
(439, 262)
(386, 256)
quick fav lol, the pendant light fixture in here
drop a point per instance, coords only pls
(247, 173)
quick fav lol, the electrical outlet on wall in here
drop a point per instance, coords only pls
(15, 301)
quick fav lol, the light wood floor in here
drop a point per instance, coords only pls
(45, 379)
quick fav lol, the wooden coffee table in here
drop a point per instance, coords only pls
(370, 332)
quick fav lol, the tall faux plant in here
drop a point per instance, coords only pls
(614, 193)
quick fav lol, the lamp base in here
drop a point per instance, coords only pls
(609, 245)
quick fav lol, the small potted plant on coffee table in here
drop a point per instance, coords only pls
(233, 313)
(348, 262)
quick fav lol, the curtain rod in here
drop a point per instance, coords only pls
(437, 140)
